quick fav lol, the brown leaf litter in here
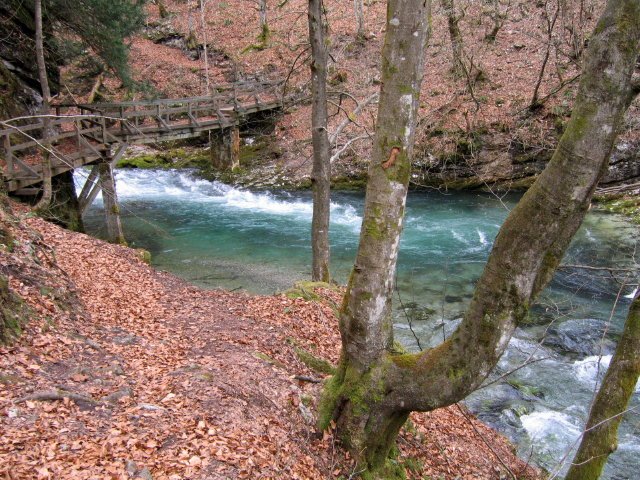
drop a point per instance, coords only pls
(126, 372)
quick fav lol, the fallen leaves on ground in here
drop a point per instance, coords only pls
(126, 372)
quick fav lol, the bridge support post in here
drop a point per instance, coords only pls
(110, 201)
(64, 208)
(225, 148)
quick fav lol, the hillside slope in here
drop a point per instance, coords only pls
(475, 128)
(125, 372)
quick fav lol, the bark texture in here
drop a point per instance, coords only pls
(601, 433)
(11, 309)
(65, 209)
(358, 10)
(110, 200)
(264, 25)
(455, 35)
(355, 395)
(45, 199)
(321, 175)
(535, 235)
(42, 68)
(375, 387)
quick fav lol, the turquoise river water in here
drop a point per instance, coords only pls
(214, 235)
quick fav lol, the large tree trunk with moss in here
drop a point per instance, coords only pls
(321, 175)
(10, 305)
(601, 432)
(375, 387)
(64, 209)
(355, 396)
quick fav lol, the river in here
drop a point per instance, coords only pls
(214, 235)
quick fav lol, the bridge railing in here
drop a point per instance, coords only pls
(136, 119)
(80, 133)
(69, 138)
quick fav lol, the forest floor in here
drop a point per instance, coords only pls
(127, 372)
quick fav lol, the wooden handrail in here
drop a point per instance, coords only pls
(82, 132)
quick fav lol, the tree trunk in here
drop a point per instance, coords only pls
(456, 38)
(355, 395)
(498, 20)
(601, 432)
(162, 9)
(110, 201)
(45, 200)
(375, 387)
(358, 9)
(11, 308)
(203, 5)
(321, 175)
(264, 25)
(42, 69)
(65, 208)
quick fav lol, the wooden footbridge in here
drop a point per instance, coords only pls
(98, 134)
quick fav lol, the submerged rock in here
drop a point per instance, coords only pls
(584, 337)
(501, 407)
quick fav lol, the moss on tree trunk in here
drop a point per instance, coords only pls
(64, 209)
(375, 387)
(601, 432)
(11, 313)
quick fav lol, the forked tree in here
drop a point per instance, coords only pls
(375, 388)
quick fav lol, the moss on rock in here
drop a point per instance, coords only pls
(625, 205)
(170, 158)
(12, 313)
(316, 364)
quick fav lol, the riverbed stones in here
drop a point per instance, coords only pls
(581, 337)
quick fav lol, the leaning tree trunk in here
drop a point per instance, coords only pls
(375, 388)
(321, 175)
(601, 433)
(45, 200)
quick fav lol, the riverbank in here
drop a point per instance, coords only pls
(126, 372)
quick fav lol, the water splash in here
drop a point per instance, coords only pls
(588, 371)
(133, 184)
(483, 238)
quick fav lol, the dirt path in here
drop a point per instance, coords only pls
(149, 377)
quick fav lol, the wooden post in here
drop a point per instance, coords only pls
(90, 189)
(65, 208)
(8, 155)
(110, 201)
(234, 147)
(225, 148)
